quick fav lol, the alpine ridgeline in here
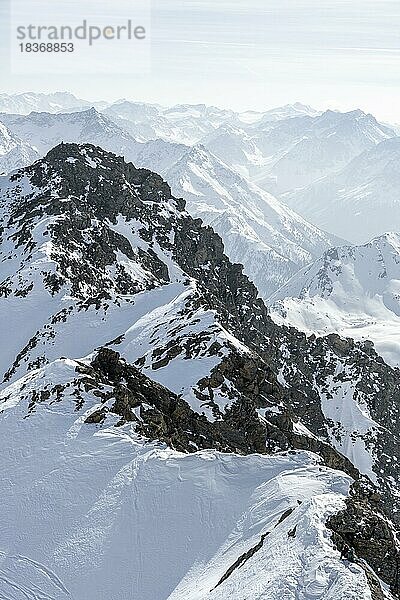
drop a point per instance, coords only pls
(163, 437)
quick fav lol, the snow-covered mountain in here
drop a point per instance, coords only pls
(45, 130)
(270, 240)
(237, 148)
(181, 124)
(184, 123)
(293, 152)
(155, 420)
(28, 102)
(279, 113)
(359, 202)
(14, 153)
(258, 231)
(351, 290)
(190, 124)
(159, 155)
(143, 121)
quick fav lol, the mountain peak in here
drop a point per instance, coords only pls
(350, 290)
(390, 238)
(75, 152)
(92, 110)
(71, 157)
(92, 114)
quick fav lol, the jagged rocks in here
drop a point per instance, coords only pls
(363, 527)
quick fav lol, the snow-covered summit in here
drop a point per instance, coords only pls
(87, 126)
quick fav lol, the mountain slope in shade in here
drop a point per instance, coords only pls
(14, 153)
(45, 130)
(258, 231)
(99, 259)
(359, 202)
(351, 290)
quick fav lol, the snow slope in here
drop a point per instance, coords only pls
(258, 231)
(14, 153)
(351, 290)
(82, 496)
(359, 202)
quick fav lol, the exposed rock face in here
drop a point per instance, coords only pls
(167, 417)
(118, 243)
(363, 527)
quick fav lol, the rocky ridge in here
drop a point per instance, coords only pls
(97, 237)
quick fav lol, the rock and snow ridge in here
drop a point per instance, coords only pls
(104, 515)
(96, 253)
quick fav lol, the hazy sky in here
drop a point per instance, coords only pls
(253, 54)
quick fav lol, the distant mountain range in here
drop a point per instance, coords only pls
(46, 130)
(28, 102)
(358, 202)
(336, 170)
(293, 152)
